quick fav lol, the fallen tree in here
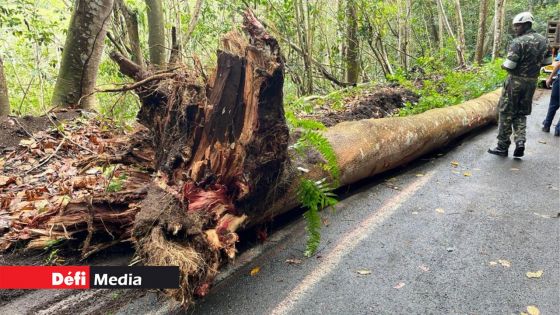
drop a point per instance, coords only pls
(214, 158)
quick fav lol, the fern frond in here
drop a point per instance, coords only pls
(314, 195)
(322, 145)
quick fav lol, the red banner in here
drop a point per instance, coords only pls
(44, 277)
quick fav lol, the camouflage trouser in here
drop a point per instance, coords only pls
(505, 124)
(515, 104)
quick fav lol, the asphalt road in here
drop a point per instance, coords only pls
(455, 233)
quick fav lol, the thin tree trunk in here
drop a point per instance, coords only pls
(302, 35)
(482, 15)
(460, 27)
(352, 61)
(82, 53)
(131, 21)
(4, 99)
(156, 34)
(441, 28)
(498, 26)
(433, 25)
(194, 19)
(460, 54)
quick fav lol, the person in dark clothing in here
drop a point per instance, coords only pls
(554, 104)
(526, 54)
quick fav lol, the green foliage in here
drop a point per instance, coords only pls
(441, 87)
(315, 140)
(314, 195)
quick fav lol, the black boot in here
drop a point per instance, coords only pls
(498, 151)
(546, 129)
(519, 149)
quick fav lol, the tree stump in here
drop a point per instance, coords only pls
(220, 151)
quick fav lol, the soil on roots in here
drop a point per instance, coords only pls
(373, 102)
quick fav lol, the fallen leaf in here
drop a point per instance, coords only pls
(414, 212)
(493, 263)
(455, 172)
(255, 270)
(477, 169)
(542, 141)
(533, 310)
(467, 174)
(454, 163)
(363, 272)
(543, 215)
(293, 261)
(514, 169)
(440, 210)
(424, 268)
(5, 180)
(504, 263)
(399, 285)
(536, 274)
(419, 175)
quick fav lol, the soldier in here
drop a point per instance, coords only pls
(526, 53)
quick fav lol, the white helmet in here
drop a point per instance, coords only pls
(523, 17)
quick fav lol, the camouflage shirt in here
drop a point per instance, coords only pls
(526, 54)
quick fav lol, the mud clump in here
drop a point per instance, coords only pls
(373, 102)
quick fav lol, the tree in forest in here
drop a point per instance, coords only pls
(482, 15)
(352, 56)
(82, 54)
(131, 22)
(499, 14)
(458, 47)
(156, 32)
(4, 99)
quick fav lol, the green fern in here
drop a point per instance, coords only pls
(311, 138)
(314, 195)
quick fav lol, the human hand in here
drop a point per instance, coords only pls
(548, 82)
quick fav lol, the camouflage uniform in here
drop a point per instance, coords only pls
(525, 55)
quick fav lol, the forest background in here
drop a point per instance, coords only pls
(447, 51)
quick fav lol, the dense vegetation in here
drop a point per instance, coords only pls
(327, 45)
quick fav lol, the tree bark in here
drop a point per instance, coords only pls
(458, 48)
(460, 27)
(194, 19)
(156, 33)
(303, 32)
(82, 54)
(4, 99)
(482, 16)
(498, 26)
(131, 21)
(352, 57)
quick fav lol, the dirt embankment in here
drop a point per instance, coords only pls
(14, 129)
(372, 102)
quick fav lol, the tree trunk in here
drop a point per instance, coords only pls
(221, 152)
(194, 19)
(460, 27)
(156, 33)
(458, 48)
(4, 99)
(352, 58)
(82, 54)
(498, 26)
(131, 21)
(303, 32)
(482, 16)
